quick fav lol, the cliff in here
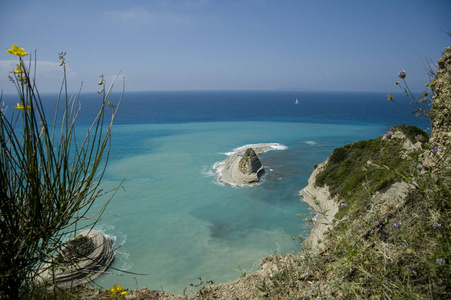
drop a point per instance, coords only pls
(441, 112)
(385, 205)
(250, 167)
(323, 204)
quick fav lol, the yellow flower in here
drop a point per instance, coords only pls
(110, 105)
(119, 290)
(20, 106)
(22, 79)
(17, 51)
(18, 70)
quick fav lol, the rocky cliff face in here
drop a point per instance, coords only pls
(441, 108)
(250, 163)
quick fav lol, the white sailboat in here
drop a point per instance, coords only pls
(296, 102)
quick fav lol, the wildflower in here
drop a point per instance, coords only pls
(435, 149)
(397, 82)
(420, 166)
(418, 137)
(440, 261)
(422, 100)
(20, 106)
(436, 224)
(22, 79)
(17, 51)
(343, 204)
(18, 70)
(63, 59)
(300, 236)
(397, 224)
(425, 93)
(119, 290)
(403, 244)
(293, 237)
(110, 105)
(389, 134)
(402, 74)
(389, 97)
(102, 81)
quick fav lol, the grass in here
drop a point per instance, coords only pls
(379, 249)
(49, 179)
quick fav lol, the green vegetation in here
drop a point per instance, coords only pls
(383, 246)
(387, 249)
(48, 179)
(373, 164)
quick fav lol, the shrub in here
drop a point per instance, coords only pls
(49, 181)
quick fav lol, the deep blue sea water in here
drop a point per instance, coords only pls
(174, 220)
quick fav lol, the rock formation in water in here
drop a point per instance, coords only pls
(243, 167)
(82, 260)
(250, 168)
(250, 163)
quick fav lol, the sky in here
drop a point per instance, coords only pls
(227, 44)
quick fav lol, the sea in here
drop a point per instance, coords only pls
(174, 225)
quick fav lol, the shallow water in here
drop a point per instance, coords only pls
(173, 220)
(178, 223)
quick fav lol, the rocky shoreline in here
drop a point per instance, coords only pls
(323, 204)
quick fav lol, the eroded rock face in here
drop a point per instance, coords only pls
(82, 259)
(440, 110)
(250, 163)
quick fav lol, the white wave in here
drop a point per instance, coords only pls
(271, 146)
(122, 258)
(277, 146)
(311, 143)
(208, 171)
(125, 263)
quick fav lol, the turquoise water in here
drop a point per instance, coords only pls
(172, 220)
(176, 222)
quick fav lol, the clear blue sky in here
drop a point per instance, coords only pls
(227, 44)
